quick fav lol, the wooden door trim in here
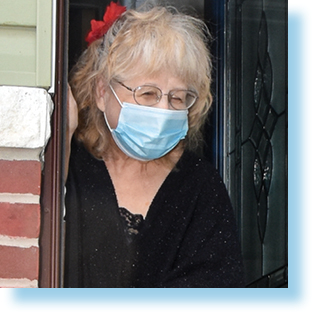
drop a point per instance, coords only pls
(50, 262)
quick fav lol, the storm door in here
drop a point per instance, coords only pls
(255, 113)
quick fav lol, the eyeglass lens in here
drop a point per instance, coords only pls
(150, 95)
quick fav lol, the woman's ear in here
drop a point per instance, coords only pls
(101, 95)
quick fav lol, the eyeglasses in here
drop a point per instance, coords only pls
(148, 95)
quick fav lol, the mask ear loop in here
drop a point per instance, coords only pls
(118, 100)
(107, 123)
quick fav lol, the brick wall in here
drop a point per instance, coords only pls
(24, 132)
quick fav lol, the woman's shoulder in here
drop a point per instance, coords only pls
(81, 156)
(199, 167)
(78, 150)
(83, 166)
(203, 179)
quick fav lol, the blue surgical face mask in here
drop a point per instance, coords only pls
(147, 133)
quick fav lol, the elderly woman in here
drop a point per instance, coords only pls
(142, 210)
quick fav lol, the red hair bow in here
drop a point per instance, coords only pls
(99, 28)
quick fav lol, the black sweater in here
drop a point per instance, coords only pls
(188, 238)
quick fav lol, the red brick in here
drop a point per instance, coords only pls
(20, 177)
(20, 219)
(18, 262)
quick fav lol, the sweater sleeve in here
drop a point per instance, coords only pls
(210, 254)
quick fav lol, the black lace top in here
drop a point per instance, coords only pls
(132, 223)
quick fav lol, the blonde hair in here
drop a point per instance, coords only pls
(143, 43)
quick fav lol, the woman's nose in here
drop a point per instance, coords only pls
(164, 103)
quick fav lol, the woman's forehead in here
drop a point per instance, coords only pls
(163, 80)
(140, 72)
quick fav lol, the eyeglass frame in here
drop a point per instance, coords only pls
(162, 94)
